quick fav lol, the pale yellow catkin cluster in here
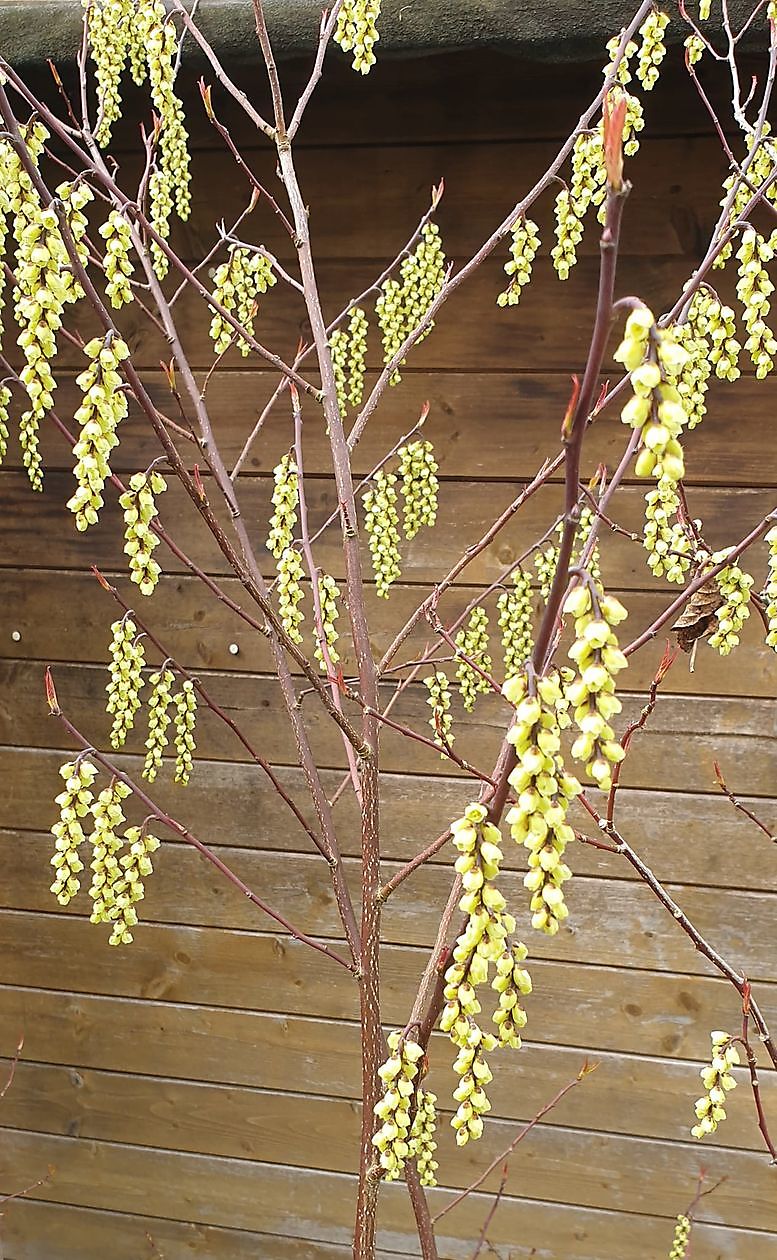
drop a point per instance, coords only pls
(422, 1131)
(758, 168)
(349, 359)
(682, 1233)
(126, 679)
(117, 260)
(584, 526)
(754, 289)
(515, 620)
(403, 303)
(5, 399)
(357, 31)
(398, 1074)
(439, 701)
(734, 585)
(74, 803)
(655, 360)
(714, 324)
(598, 659)
(329, 596)
(484, 944)
(523, 251)
(667, 543)
(139, 507)
(108, 817)
(381, 521)
(99, 415)
(184, 721)
(770, 590)
(159, 701)
(545, 563)
(543, 791)
(717, 1081)
(237, 286)
(45, 282)
(652, 49)
(418, 470)
(142, 31)
(128, 888)
(291, 572)
(285, 499)
(473, 641)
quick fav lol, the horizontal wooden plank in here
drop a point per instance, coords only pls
(201, 632)
(611, 923)
(676, 188)
(585, 1169)
(301, 1203)
(37, 1231)
(726, 728)
(466, 510)
(653, 820)
(94, 1037)
(597, 1007)
(480, 423)
(550, 328)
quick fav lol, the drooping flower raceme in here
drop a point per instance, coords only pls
(472, 641)
(418, 470)
(291, 571)
(117, 261)
(652, 49)
(398, 1075)
(523, 251)
(717, 1081)
(161, 683)
(103, 408)
(285, 500)
(770, 591)
(598, 659)
(754, 289)
(381, 521)
(126, 679)
(544, 791)
(349, 357)
(329, 595)
(184, 720)
(357, 32)
(128, 888)
(403, 303)
(422, 1131)
(74, 803)
(682, 1233)
(108, 817)
(734, 585)
(515, 620)
(140, 509)
(655, 360)
(237, 286)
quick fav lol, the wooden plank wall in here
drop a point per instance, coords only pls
(194, 1095)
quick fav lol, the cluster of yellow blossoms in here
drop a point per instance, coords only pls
(5, 399)
(328, 595)
(117, 261)
(734, 585)
(682, 1234)
(473, 641)
(403, 303)
(185, 719)
(598, 659)
(117, 879)
(140, 30)
(523, 251)
(285, 499)
(717, 1081)
(126, 679)
(103, 408)
(655, 360)
(754, 289)
(418, 470)
(515, 620)
(74, 804)
(237, 286)
(422, 1131)
(381, 521)
(770, 591)
(544, 791)
(159, 701)
(357, 32)
(139, 506)
(652, 49)
(349, 359)
(398, 1075)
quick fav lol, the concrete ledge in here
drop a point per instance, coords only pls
(548, 30)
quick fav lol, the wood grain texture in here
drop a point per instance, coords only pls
(300, 1203)
(670, 829)
(642, 1096)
